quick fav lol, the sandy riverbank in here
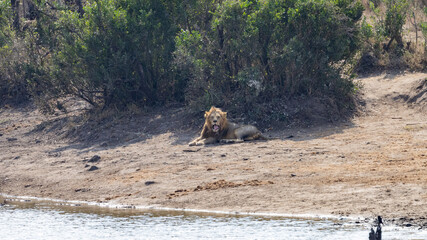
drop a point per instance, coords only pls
(375, 164)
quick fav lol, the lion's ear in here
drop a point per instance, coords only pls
(224, 114)
(206, 114)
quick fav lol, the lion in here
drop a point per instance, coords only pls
(218, 129)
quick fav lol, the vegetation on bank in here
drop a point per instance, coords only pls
(231, 53)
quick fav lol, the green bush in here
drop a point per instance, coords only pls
(118, 53)
(12, 84)
(424, 31)
(261, 50)
(394, 20)
(232, 53)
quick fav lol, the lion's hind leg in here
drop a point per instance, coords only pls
(241, 134)
(257, 136)
(247, 132)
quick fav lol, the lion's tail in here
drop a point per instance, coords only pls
(259, 136)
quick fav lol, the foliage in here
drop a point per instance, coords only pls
(395, 19)
(424, 30)
(260, 50)
(12, 84)
(118, 53)
(231, 53)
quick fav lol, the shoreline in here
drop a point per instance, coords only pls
(368, 223)
(75, 203)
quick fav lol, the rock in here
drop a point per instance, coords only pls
(94, 159)
(104, 144)
(191, 150)
(293, 175)
(147, 183)
(17, 157)
(93, 168)
(12, 139)
(54, 154)
(82, 190)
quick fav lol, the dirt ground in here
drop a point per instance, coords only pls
(374, 164)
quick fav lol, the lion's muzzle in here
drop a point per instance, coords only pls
(215, 128)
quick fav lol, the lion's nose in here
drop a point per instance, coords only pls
(215, 120)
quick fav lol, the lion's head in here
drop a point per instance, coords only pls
(216, 119)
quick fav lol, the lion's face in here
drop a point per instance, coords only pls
(216, 119)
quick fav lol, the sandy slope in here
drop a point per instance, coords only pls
(375, 164)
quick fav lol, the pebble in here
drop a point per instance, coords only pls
(95, 158)
(93, 168)
(147, 183)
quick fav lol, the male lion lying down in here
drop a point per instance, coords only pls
(218, 129)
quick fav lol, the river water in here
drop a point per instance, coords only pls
(32, 219)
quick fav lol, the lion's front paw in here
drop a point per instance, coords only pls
(195, 143)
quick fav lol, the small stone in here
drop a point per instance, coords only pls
(147, 183)
(245, 159)
(82, 190)
(223, 155)
(93, 168)
(87, 165)
(293, 175)
(17, 157)
(12, 139)
(95, 158)
(104, 144)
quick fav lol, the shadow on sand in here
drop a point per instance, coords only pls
(86, 133)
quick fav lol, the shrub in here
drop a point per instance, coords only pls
(424, 31)
(261, 50)
(117, 53)
(12, 84)
(394, 20)
(233, 53)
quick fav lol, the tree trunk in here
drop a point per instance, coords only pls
(80, 6)
(15, 9)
